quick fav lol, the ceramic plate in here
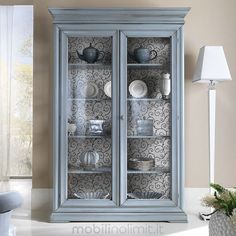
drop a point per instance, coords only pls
(89, 90)
(107, 89)
(138, 89)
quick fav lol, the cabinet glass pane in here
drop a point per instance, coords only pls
(89, 114)
(148, 118)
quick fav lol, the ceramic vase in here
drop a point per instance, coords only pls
(165, 85)
(221, 225)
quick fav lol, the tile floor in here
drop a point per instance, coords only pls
(28, 227)
(36, 224)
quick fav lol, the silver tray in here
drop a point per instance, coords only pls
(92, 195)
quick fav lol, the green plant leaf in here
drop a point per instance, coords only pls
(225, 200)
(233, 198)
(218, 188)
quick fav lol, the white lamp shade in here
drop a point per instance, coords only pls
(211, 65)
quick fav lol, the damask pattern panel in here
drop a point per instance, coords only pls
(80, 112)
(150, 183)
(159, 112)
(84, 183)
(78, 146)
(160, 45)
(157, 149)
(81, 79)
(103, 44)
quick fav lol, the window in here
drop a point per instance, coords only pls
(18, 100)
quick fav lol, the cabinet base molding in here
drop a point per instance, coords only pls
(119, 217)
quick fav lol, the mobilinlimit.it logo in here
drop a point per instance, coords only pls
(119, 229)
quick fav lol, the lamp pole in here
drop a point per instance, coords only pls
(212, 119)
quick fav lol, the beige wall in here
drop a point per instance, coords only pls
(210, 22)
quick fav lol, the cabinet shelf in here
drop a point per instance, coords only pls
(146, 66)
(154, 170)
(148, 137)
(147, 99)
(89, 136)
(92, 171)
(89, 66)
(90, 99)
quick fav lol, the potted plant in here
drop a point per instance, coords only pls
(223, 218)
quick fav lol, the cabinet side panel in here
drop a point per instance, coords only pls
(56, 118)
(182, 115)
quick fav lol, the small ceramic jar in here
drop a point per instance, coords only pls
(145, 127)
(71, 129)
(165, 85)
(95, 127)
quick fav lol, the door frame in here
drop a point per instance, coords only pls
(60, 136)
(177, 117)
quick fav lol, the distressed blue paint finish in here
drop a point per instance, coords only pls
(120, 24)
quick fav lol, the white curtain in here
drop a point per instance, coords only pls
(6, 29)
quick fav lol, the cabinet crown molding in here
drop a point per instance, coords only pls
(120, 15)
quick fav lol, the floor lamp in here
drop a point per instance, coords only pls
(211, 68)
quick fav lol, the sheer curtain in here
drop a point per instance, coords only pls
(6, 29)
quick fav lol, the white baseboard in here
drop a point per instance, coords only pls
(41, 199)
(192, 200)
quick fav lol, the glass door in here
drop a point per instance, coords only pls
(147, 124)
(91, 126)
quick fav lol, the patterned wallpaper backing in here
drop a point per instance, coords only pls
(77, 146)
(150, 183)
(89, 183)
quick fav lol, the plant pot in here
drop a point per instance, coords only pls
(221, 225)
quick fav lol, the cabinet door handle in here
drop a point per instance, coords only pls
(122, 117)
